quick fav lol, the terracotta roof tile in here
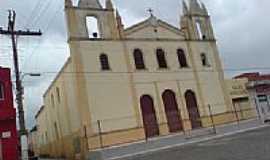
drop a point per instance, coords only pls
(256, 76)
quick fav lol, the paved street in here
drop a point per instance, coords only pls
(253, 145)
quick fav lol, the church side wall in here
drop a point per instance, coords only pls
(59, 123)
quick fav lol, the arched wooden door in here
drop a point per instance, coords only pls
(172, 111)
(149, 116)
(193, 111)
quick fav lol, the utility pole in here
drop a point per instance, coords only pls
(19, 87)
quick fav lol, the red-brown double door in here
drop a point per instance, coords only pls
(193, 110)
(172, 111)
(173, 116)
(151, 127)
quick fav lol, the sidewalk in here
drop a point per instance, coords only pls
(166, 142)
(49, 159)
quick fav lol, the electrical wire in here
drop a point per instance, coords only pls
(33, 12)
(44, 32)
(42, 12)
(163, 71)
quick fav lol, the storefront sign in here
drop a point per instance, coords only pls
(6, 135)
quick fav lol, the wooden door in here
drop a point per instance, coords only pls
(172, 111)
(151, 127)
(193, 111)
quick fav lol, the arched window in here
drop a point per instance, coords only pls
(2, 92)
(52, 101)
(92, 27)
(56, 131)
(104, 62)
(182, 58)
(161, 58)
(138, 58)
(58, 94)
(204, 60)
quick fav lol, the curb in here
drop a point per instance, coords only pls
(187, 143)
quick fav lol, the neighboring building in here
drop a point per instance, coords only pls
(9, 137)
(243, 108)
(42, 147)
(259, 91)
(122, 85)
(33, 142)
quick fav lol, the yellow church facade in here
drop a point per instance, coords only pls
(123, 85)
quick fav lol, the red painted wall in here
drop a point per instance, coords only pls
(8, 118)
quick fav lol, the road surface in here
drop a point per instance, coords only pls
(253, 145)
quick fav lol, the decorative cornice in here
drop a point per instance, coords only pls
(171, 28)
(39, 111)
(147, 22)
(78, 39)
(197, 15)
(87, 8)
(57, 76)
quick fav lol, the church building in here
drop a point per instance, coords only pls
(123, 85)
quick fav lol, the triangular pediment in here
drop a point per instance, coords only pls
(153, 28)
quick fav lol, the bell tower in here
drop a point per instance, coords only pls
(197, 26)
(105, 26)
(196, 21)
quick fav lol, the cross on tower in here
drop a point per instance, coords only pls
(150, 10)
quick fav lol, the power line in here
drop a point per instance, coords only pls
(45, 31)
(39, 15)
(114, 73)
(162, 71)
(36, 8)
(106, 74)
